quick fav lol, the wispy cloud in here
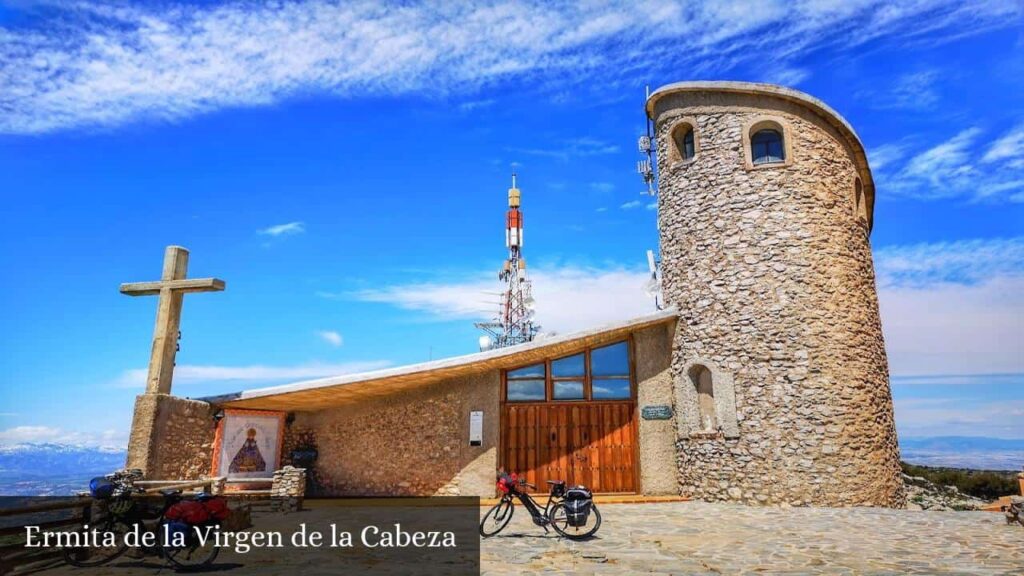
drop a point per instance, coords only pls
(573, 148)
(89, 63)
(331, 337)
(1009, 148)
(46, 434)
(567, 299)
(602, 187)
(914, 91)
(961, 261)
(951, 169)
(631, 205)
(886, 155)
(284, 229)
(193, 374)
(953, 307)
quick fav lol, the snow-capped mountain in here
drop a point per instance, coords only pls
(45, 469)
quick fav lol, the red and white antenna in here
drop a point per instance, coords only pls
(514, 321)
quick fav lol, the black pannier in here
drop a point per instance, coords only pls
(578, 502)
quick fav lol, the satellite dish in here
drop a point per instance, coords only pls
(486, 343)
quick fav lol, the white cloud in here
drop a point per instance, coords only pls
(914, 91)
(573, 148)
(953, 307)
(48, 434)
(951, 169)
(284, 229)
(631, 204)
(192, 374)
(568, 299)
(602, 187)
(331, 337)
(963, 261)
(89, 63)
(1010, 147)
(652, 205)
(886, 155)
(919, 417)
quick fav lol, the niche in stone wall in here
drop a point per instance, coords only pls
(706, 401)
(860, 205)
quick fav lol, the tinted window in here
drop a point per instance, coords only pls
(520, 390)
(610, 361)
(536, 370)
(568, 367)
(610, 388)
(766, 147)
(568, 390)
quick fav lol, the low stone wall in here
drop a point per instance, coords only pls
(288, 489)
(412, 443)
(171, 437)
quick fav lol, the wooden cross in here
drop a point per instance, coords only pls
(171, 287)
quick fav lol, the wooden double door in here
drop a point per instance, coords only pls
(592, 443)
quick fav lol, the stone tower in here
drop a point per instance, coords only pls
(781, 378)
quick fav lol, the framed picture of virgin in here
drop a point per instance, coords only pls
(248, 444)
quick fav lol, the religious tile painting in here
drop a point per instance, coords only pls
(248, 444)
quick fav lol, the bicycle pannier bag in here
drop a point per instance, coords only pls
(578, 502)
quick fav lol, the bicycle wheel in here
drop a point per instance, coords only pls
(497, 518)
(90, 556)
(195, 554)
(560, 522)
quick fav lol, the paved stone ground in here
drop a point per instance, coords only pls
(694, 538)
(701, 538)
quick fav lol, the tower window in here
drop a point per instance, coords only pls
(683, 138)
(766, 147)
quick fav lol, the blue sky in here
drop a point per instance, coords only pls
(344, 167)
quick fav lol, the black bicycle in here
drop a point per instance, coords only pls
(571, 512)
(122, 513)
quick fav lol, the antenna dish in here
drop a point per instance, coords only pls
(486, 343)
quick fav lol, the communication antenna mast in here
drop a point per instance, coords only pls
(645, 168)
(514, 321)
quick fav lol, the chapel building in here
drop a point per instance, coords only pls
(764, 380)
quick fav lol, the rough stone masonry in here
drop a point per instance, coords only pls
(770, 267)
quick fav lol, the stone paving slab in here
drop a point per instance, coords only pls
(702, 538)
(697, 538)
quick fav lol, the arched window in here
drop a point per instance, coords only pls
(701, 377)
(766, 147)
(860, 202)
(682, 137)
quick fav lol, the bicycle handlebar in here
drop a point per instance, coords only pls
(527, 484)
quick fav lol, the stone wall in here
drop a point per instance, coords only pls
(772, 273)
(171, 437)
(410, 443)
(652, 359)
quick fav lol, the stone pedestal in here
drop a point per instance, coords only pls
(171, 437)
(288, 489)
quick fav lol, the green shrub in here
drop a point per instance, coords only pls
(984, 484)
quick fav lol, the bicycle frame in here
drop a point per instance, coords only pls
(540, 517)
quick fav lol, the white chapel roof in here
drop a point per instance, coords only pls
(337, 390)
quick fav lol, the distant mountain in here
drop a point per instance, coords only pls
(53, 469)
(962, 443)
(976, 452)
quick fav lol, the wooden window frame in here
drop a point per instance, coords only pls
(587, 378)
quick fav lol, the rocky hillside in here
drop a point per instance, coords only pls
(923, 494)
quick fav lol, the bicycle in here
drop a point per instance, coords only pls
(571, 518)
(124, 513)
